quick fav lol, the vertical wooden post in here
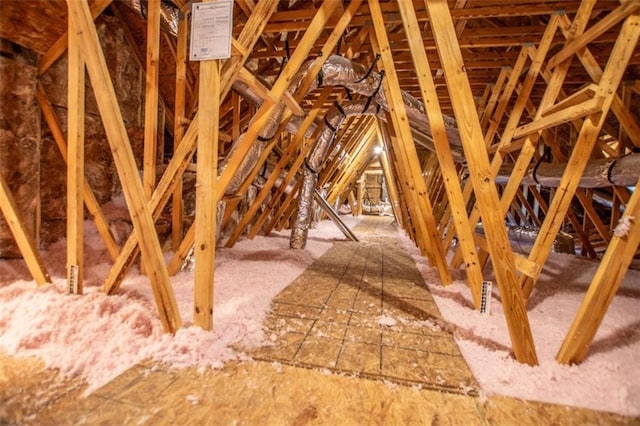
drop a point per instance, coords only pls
(206, 188)
(178, 132)
(360, 192)
(482, 180)
(151, 101)
(391, 186)
(75, 163)
(144, 228)
(151, 97)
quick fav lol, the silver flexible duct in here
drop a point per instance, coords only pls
(623, 171)
(340, 71)
(332, 122)
(522, 239)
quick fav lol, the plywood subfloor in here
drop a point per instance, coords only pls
(363, 309)
(352, 342)
(258, 393)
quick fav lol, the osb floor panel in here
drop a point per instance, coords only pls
(363, 309)
(335, 358)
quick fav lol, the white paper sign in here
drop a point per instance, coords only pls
(211, 25)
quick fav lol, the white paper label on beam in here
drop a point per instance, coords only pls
(211, 25)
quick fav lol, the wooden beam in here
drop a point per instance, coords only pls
(355, 203)
(263, 115)
(603, 287)
(558, 117)
(261, 90)
(26, 244)
(482, 180)
(125, 163)
(421, 208)
(151, 98)
(391, 185)
(295, 145)
(75, 160)
(443, 151)
(496, 90)
(207, 173)
(587, 93)
(603, 24)
(514, 76)
(581, 153)
(177, 207)
(627, 120)
(185, 151)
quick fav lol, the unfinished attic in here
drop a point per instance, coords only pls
(319, 212)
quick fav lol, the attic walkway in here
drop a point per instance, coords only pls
(362, 312)
(363, 309)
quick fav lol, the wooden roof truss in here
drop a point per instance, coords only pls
(522, 84)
